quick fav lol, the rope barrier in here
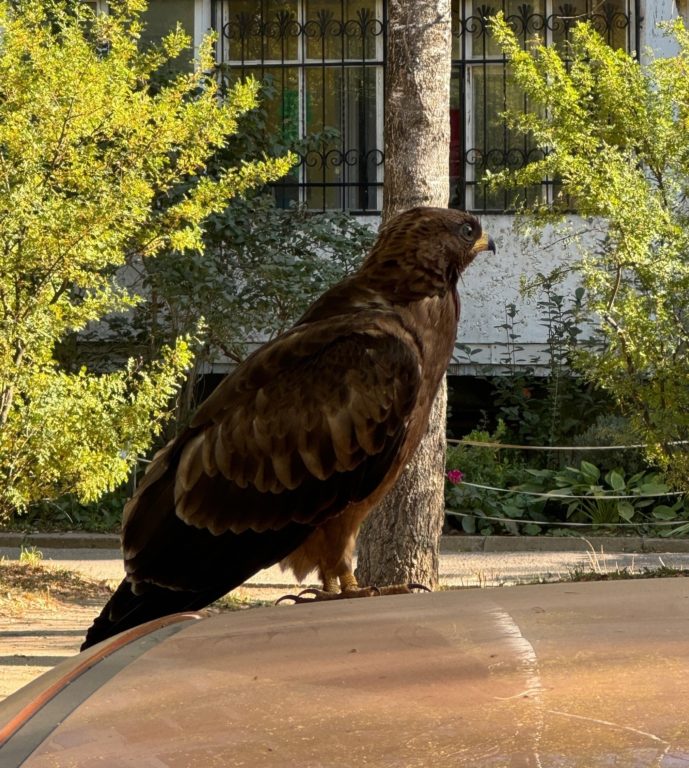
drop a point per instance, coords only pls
(559, 524)
(553, 495)
(481, 444)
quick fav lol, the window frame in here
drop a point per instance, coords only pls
(465, 160)
(347, 157)
(465, 192)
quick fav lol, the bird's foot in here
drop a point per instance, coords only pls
(318, 595)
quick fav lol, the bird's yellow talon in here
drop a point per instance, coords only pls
(320, 595)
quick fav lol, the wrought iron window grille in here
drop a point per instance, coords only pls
(482, 89)
(327, 63)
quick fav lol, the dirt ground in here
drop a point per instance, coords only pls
(45, 612)
(39, 639)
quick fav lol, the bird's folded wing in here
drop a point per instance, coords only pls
(310, 422)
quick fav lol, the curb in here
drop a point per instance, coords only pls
(448, 544)
(606, 544)
(60, 540)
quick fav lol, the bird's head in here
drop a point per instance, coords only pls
(471, 240)
(427, 249)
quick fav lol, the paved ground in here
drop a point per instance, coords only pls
(38, 641)
(457, 569)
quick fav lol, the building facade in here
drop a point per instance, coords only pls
(325, 60)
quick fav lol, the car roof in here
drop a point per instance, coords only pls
(580, 674)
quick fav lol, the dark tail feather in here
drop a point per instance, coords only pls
(125, 610)
(207, 566)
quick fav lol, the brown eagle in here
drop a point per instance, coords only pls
(288, 455)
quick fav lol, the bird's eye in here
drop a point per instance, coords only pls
(467, 231)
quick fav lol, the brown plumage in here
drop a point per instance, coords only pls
(287, 456)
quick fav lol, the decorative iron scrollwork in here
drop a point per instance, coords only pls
(323, 48)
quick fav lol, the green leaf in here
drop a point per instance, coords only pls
(512, 510)
(591, 110)
(531, 529)
(105, 162)
(653, 488)
(568, 490)
(616, 481)
(663, 512)
(590, 471)
(544, 473)
(625, 510)
(469, 524)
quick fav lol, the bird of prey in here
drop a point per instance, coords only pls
(291, 451)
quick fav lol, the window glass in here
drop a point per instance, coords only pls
(258, 30)
(482, 89)
(611, 18)
(495, 145)
(324, 59)
(341, 30)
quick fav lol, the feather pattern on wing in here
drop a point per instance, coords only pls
(307, 424)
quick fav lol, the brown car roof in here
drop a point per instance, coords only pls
(554, 676)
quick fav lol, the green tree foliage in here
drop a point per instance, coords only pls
(262, 265)
(90, 152)
(613, 133)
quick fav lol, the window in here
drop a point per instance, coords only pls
(482, 88)
(325, 62)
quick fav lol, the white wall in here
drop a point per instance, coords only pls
(493, 281)
(653, 40)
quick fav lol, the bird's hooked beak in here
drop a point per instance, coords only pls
(484, 243)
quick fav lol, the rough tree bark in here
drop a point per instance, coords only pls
(399, 542)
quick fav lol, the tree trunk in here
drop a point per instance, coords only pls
(399, 541)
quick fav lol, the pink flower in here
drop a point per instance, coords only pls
(455, 476)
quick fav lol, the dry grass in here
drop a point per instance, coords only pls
(28, 586)
(241, 599)
(620, 574)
